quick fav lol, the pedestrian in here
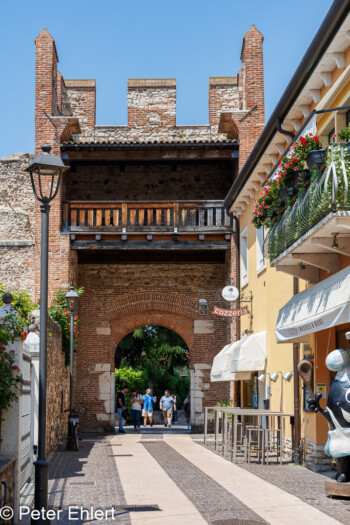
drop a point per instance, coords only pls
(121, 406)
(187, 410)
(136, 406)
(167, 405)
(174, 412)
(147, 410)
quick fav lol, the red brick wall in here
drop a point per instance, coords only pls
(120, 298)
(251, 84)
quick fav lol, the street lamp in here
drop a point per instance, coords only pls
(48, 169)
(72, 303)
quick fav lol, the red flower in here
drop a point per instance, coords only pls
(15, 368)
(24, 334)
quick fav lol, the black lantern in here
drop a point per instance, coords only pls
(202, 306)
(72, 303)
(48, 169)
(72, 299)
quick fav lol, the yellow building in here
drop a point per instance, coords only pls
(308, 242)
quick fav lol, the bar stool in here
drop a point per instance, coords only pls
(254, 443)
(273, 444)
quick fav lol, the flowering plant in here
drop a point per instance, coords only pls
(290, 174)
(12, 327)
(59, 311)
(9, 372)
(344, 134)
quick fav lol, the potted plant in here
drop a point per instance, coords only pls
(344, 136)
(286, 193)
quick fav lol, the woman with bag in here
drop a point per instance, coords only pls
(136, 406)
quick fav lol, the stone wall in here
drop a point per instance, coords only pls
(7, 474)
(139, 294)
(17, 204)
(315, 457)
(57, 389)
(150, 181)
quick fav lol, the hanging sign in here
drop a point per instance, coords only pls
(230, 313)
(230, 293)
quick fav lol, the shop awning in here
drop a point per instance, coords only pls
(238, 360)
(322, 306)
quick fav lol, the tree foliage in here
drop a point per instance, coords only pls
(153, 357)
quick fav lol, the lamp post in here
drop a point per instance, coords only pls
(72, 303)
(48, 169)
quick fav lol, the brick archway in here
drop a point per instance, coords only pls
(168, 302)
(183, 326)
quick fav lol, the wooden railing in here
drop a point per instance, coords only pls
(179, 216)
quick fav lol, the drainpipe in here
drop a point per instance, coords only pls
(237, 284)
(297, 436)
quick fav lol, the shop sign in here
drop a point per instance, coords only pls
(321, 388)
(230, 313)
(230, 293)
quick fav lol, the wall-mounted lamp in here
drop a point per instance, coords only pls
(287, 377)
(202, 307)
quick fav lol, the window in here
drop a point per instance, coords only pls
(260, 255)
(347, 118)
(244, 257)
(331, 138)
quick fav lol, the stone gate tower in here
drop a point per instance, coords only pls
(139, 220)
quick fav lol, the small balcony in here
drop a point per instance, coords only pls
(314, 230)
(145, 217)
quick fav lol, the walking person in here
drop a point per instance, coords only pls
(136, 406)
(121, 406)
(187, 410)
(147, 410)
(174, 411)
(167, 404)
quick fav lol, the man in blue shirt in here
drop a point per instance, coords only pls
(147, 409)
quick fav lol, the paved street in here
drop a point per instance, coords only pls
(164, 476)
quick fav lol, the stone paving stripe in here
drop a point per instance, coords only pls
(159, 488)
(210, 498)
(119, 455)
(272, 503)
(152, 435)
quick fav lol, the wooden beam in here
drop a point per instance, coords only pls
(327, 242)
(324, 261)
(154, 245)
(309, 273)
(151, 153)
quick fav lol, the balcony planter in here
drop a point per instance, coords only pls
(286, 193)
(315, 158)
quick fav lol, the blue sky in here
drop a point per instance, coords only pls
(113, 40)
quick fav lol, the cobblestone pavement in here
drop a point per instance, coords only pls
(212, 500)
(308, 486)
(84, 478)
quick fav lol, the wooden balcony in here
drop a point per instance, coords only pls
(145, 217)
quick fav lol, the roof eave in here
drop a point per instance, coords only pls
(327, 31)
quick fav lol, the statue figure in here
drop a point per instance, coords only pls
(337, 411)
